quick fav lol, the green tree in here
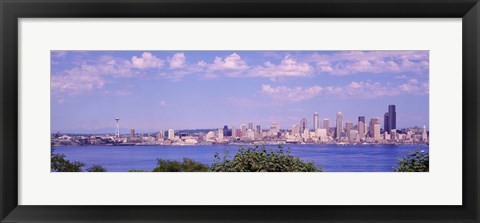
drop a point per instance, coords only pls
(188, 165)
(414, 162)
(262, 160)
(60, 164)
(96, 168)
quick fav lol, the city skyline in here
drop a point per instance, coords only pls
(153, 90)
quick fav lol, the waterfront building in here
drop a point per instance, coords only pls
(303, 125)
(220, 134)
(361, 127)
(250, 134)
(132, 133)
(339, 126)
(171, 134)
(393, 134)
(316, 121)
(322, 134)
(352, 135)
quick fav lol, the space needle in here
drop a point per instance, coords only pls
(117, 131)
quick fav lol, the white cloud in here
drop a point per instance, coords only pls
(231, 62)
(289, 67)
(177, 61)
(354, 62)
(163, 103)
(291, 94)
(76, 81)
(354, 90)
(147, 60)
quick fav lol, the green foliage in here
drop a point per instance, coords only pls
(187, 165)
(96, 168)
(261, 160)
(414, 162)
(60, 164)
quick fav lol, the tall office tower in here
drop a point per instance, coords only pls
(117, 130)
(258, 132)
(276, 127)
(220, 134)
(348, 127)
(376, 131)
(325, 124)
(250, 126)
(390, 119)
(171, 134)
(386, 120)
(303, 125)
(371, 129)
(243, 130)
(226, 131)
(361, 127)
(316, 121)
(160, 135)
(132, 133)
(234, 131)
(339, 129)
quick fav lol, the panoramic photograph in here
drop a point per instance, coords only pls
(239, 111)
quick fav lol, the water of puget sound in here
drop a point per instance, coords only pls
(332, 158)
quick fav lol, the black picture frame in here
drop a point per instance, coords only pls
(12, 10)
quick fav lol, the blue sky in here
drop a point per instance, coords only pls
(159, 90)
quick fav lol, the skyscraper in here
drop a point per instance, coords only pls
(303, 125)
(171, 134)
(390, 119)
(243, 130)
(386, 120)
(250, 126)
(339, 129)
(258, 132)
(348, 127)
(326, 124)
(373, 122)
(361, 126)
(315, 121)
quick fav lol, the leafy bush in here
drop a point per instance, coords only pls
(188, 165)
(414, 162)
(261, 160)
(96, 168)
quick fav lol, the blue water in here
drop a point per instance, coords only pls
(333, 158)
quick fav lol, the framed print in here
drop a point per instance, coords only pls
(204, 111)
